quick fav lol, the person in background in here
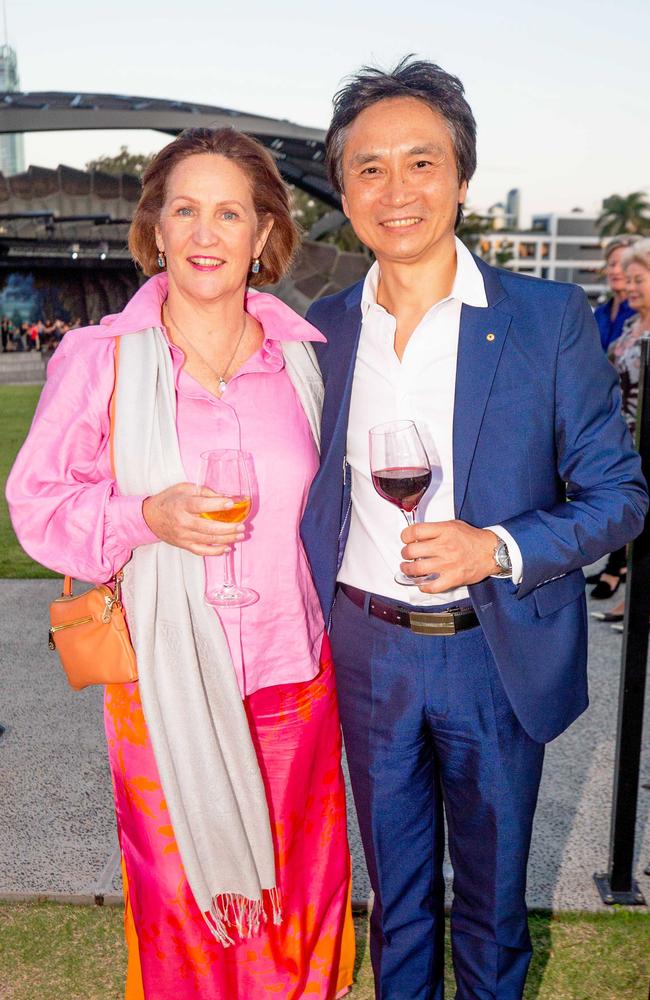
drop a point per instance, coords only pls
(47, 335)
(625, 355)
(33, 342)
(5, 327)
(612, 314)
(610, 317)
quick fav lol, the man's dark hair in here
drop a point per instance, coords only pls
(410, 78)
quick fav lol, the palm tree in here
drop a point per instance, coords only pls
(624, 214)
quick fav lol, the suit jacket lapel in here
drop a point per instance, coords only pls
(340, 373)
(482, 336)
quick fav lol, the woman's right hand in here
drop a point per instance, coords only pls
(174, 515)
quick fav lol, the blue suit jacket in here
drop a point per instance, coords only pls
(539, 446)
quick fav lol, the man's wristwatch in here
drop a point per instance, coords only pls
(502, 558)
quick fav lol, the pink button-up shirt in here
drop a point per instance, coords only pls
(68, 514)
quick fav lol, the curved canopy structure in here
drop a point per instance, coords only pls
(298, 150)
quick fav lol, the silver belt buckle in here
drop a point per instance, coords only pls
(434, 623)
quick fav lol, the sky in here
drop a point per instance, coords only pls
(559, 89)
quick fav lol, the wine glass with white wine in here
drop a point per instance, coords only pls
(225, 471)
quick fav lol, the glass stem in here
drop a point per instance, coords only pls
(409, 517)
(229, 581)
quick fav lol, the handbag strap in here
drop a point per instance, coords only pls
(67, 580)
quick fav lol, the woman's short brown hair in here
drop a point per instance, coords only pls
(617, 243)
(269, 192)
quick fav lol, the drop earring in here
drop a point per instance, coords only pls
(162, 262)
(256, 266)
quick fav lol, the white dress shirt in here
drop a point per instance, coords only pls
(420, 388)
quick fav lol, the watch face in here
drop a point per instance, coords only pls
(503, 557)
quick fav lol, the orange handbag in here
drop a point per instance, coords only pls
(89, 632)
(90, 635)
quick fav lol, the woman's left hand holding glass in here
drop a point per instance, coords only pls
(177, 516)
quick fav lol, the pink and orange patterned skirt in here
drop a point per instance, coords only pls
(172, 954)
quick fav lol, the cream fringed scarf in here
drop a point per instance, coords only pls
(190, 697)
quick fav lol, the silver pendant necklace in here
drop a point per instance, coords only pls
(221, 378)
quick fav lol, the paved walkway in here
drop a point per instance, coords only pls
(57, 831)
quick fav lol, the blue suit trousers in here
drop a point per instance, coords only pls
(430, 734)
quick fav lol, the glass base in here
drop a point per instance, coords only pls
(231, 597)
(414, 581)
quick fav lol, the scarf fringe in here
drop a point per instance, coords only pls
(233, 911)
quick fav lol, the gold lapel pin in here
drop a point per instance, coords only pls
(490, 337)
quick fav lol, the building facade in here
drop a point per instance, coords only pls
(12, 149)
(559, 247)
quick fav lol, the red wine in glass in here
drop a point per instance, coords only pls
(402, 473)
(404, 486)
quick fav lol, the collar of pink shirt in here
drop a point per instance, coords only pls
(279, 321)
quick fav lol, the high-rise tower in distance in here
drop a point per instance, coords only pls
(12, 154)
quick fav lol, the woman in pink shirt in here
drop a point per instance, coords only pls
(225, 755)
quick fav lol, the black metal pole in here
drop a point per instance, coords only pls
(617, 885)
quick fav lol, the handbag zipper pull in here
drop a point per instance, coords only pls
(108, 610)
(117, 596)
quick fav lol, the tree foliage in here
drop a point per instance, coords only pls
(307, 209)
(123, 162)
(472, 228)
(625, 214)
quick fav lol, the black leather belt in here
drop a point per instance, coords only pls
(423, 622)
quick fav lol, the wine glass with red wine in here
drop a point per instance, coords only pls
(401, 473)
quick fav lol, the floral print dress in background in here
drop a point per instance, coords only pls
(625, 355)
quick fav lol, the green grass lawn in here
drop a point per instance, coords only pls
(52, 951)
(17, 405)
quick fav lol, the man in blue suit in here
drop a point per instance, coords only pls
(449, 689)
